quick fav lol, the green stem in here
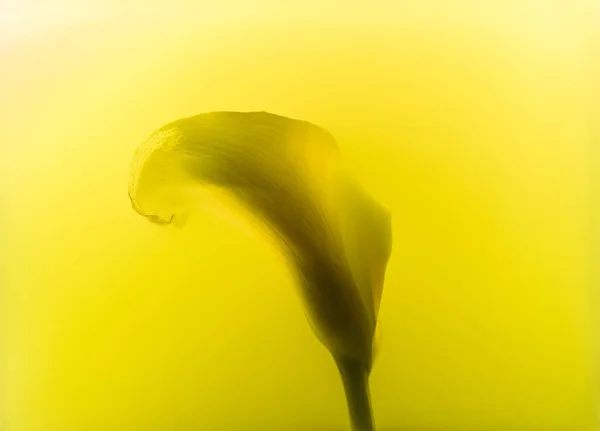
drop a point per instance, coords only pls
(355, 377)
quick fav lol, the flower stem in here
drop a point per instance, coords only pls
(355, 377)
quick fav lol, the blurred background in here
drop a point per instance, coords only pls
(474, 122)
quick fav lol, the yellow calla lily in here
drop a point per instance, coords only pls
(288, 175)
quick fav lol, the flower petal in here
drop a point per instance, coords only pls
(285, 173)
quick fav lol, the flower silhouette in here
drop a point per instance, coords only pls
(288, 175)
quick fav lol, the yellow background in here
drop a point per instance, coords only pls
(473, 121)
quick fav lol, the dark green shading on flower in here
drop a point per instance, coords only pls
(288, 175)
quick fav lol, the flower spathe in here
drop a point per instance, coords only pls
(288, 175)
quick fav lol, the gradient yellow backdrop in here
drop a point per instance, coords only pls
(473, 121)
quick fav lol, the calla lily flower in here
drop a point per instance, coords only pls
(288, 175)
